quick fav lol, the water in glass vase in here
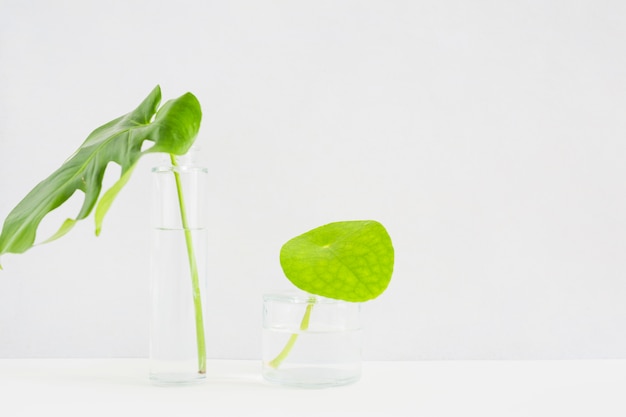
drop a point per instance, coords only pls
(174, 350)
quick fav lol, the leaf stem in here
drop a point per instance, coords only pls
(304, 324)
(193, 267)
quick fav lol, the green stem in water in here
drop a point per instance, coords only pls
(304, 324)
(193, 267)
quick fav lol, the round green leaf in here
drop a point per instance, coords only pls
(351, 260)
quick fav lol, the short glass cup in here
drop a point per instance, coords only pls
(310, 341)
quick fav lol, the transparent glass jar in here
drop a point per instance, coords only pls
(178, 275)
(310, 341)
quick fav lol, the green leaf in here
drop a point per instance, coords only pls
(172, 129)
(351, 261)
(107, 198)
(67, 225)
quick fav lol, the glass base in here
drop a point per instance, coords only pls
(310, 377)
(173, 378)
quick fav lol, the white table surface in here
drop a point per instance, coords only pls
(120, 387)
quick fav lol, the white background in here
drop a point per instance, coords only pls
(488, 137)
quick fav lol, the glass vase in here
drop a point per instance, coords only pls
(178, 274)
(310, 341)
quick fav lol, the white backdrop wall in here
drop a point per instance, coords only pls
(489, 137)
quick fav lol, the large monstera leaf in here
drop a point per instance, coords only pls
(172, 129)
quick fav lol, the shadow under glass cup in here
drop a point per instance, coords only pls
(310, 341)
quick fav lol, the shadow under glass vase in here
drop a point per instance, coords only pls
(178, 275)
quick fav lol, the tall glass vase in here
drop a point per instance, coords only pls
(178, 274)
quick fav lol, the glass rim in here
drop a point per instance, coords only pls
(296, 297)
(181, 169)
